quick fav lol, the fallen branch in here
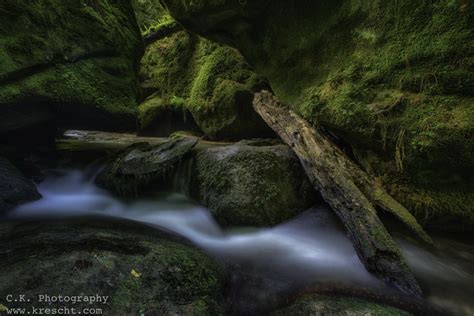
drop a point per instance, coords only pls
(350, 192)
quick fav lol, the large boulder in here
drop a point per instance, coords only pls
(143, 167)
(161, 117)
(253, 183)
(71, 63)
(138, 269)
(193, 75)
(394, 79)
(15, 188)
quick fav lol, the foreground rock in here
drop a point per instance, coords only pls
(142, 271)
(392, 79)
(142, 166)
(15, 188)
(251, 183)
(75, 65)
(330, 305)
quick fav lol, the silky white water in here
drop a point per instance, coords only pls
(310, 249)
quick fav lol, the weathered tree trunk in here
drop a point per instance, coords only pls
(351, 193)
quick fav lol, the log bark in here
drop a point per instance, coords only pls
(350, 192)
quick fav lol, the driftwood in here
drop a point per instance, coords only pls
(350, 192)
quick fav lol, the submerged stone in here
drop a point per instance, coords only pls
(252, 183)
(142, 167)
(15, 188)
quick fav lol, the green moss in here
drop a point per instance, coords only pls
(150, 16)
(140, 270)
(155, 106)
(270, 190)
(213, 81)
(79, 56)
(190, 277)
(394, 79)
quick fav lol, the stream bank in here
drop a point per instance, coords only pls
(292, 267)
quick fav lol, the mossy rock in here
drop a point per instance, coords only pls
(330, 305)
(15, 188)
(142, 167)
(161, 118)
(393, 79)
(141, 270)
(253, 183)
(150, 15)
(211, 81)
(76, 61)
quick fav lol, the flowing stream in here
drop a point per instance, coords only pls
(310, 249)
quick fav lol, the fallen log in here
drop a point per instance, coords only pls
(350, 192)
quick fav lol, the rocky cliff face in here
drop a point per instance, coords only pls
(71, 63)
(394, 79)
(185, 73)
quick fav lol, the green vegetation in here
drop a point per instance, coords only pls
(393, 79)
(140, 270)
(269, 190)
(80, 57)
(211, 81)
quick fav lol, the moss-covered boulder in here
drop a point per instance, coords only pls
(15, 188)
(211, 81)
(74, 62)
(330, 305)
(150, 15)
(143, 167)
(138, 269)
(394, 79)
(254, 183)
(161, 117)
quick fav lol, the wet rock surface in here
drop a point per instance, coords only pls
(330, 305)
(251, 183)
(15, 188)
(140, 269)
(143, 166)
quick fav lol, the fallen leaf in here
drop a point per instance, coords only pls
(135, 273)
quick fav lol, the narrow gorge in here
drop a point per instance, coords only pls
(229, 157)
